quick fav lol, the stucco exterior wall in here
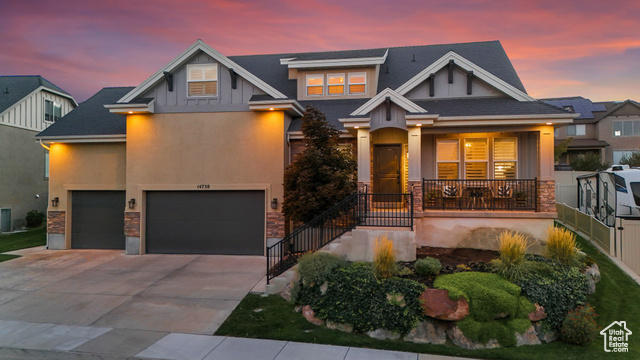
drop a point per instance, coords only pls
(22, 174)
(605, 131)
(206, 151)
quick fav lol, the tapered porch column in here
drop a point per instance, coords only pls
(364, 160)
(546, 181)
(415, 167)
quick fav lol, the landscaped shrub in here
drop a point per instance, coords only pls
(354, 296)
(562, 247)
(559, 289)
(314, 268)
(428, 266)
(580, 326)
(512, 247)
(34, 218)
(384, 258)
(496, 308)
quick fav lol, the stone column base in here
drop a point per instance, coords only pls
(56, 221)
(132, 233)
(275, 227)
(546, 196)
(416, 188)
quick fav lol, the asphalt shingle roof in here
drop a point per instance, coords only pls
(580, 105)
(342, 54)
(15, 87)
(332, 109)
(91, 117)
(487, 106)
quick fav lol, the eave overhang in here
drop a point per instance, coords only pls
(292, 63)
(292, 107)
(131, 108)
(83, 138)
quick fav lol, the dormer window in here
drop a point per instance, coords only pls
(357, 83)
(315, 85)
(202, 80)
(52, 111)
(335, 84)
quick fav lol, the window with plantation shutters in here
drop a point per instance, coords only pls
(202, 80)
(448, 159)
(476, 157)
(505, 158)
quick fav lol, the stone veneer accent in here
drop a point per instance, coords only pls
(56, 222)
(416, 188)
(132, 224)
(275, 224)
(547, 196)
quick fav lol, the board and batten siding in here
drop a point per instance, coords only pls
(458, 89)
(228, 99)
(28, 113)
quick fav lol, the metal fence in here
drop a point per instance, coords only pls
(360, 209)
(486, 194)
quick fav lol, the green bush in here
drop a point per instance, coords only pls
(580, 326)
(588, 162)
(34, 218)
(314, 268)
(354, 296)
(428, 266)
(489, 296)
(559, 289)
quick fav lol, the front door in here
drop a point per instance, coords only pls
(386, 169)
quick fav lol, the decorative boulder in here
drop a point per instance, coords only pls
(428, 332)
(529, 337)
(593, 272)
(545, 336)
(340, 327)
(383, 334)
(437, 304)
(537, 314)
(310, 315)
(457, 338)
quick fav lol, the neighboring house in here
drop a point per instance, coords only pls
(28, 104)
(610, 129)
(195, 155)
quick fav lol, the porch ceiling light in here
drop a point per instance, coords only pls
(418, 124)
(549, 123)
(356, 127)
(130, 112)
(271, 109)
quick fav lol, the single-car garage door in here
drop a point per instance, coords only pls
(205, 222)
(97, 219)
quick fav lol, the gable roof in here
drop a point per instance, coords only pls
(181, 59)
(397, 99)
(616, 107)
(91, 118)
(13, 88)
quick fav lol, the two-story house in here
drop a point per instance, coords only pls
(609, 129)
(28, 104)
(192, 159)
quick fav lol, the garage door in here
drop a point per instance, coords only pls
(97, 219)
(205, 222)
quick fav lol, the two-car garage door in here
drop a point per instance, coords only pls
(205, 222)
(177, 222)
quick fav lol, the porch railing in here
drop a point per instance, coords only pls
(359, 209)
(485, 194)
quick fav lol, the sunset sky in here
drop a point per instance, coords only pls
(559, 48)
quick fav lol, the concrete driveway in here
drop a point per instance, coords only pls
(190, 294)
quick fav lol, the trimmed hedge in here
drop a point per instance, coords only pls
(428, 266)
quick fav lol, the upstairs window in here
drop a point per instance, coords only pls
(357, 83)
(315, 85)
(335, 84)
(576, 130)
(202, 80)
(52, 111)
(626, 128)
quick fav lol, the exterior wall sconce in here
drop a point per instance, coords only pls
(132, 203)
(274, 203)
(54, 202)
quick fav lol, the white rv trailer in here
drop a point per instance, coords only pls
(612, 193)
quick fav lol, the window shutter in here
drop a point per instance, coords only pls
(504, 149)
(448, 150)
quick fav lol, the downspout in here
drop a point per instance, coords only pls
(44, 146)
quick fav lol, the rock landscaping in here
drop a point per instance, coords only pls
(470, 304)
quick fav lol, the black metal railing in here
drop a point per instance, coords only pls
(359, 209)
(485, 194)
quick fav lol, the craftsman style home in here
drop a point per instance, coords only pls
(192, 159)
(28, 105)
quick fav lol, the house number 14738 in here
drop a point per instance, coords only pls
(203, 186)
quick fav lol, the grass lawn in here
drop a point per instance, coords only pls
(22, 240)
(617, 298)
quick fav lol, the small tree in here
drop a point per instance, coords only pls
(322, 175)
(589, 162)
(633, 160)
(561, 148)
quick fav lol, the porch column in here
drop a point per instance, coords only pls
(546, 181)
(415, 167)
(364, 159)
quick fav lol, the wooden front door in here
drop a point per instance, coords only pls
(386, 169)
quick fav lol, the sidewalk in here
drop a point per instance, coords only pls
(23, 340)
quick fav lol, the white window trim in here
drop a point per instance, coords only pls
(343, 83)
(486, 161)
(217, 80)
(349, 83)
(438, 161)
(44, 113)
(493, 157)
(307, 86)
(633, 130)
